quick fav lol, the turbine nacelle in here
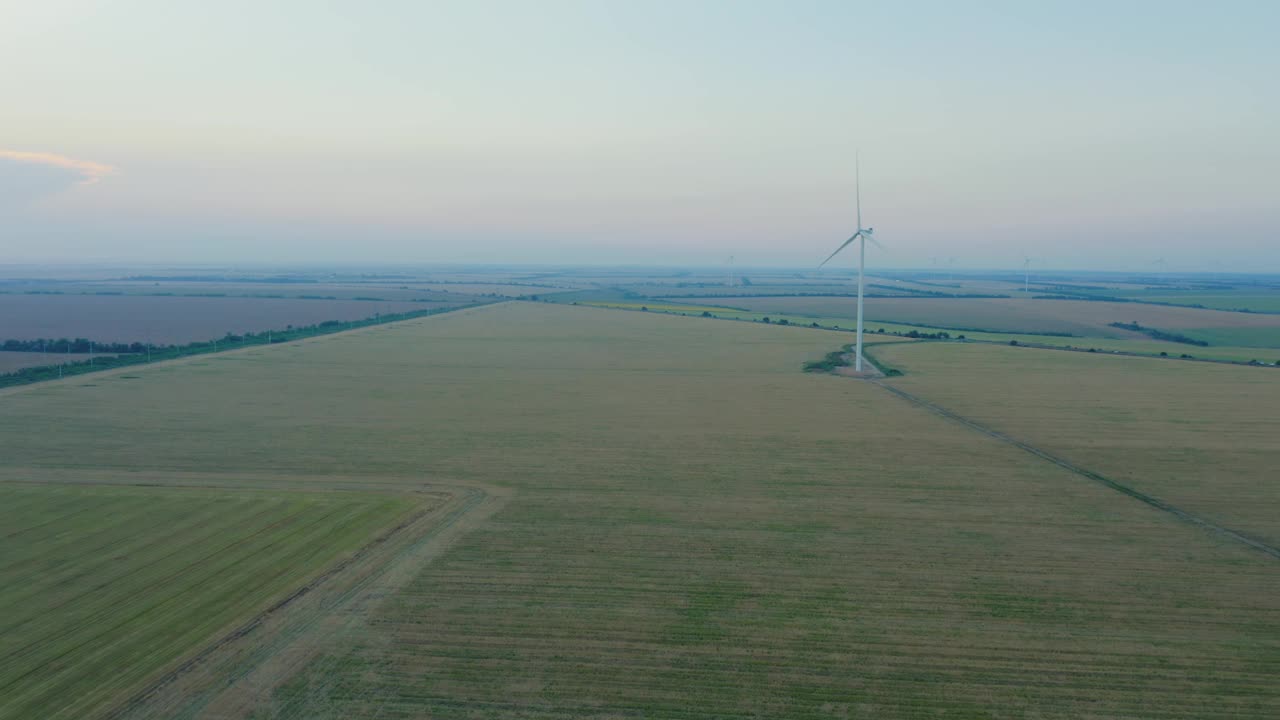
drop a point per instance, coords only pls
(870, 234)
(864, 233)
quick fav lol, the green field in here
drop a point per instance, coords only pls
(694, 528)
(102, 586)
(1131, 342)
(1076, 317)
(1265, 303)
(1243, 337)
(11, 361)
(1138, 345)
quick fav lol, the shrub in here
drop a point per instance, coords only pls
(832, 361)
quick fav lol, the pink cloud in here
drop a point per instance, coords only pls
(90, 172)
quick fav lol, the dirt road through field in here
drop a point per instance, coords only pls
(236, 673)
(1089, 474)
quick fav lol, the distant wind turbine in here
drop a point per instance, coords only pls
(1026, 276)
(862, 234)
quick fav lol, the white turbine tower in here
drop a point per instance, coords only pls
(862, 234)
(1026, 276)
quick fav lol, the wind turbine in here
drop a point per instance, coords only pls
(1026, 276)
(862, 234)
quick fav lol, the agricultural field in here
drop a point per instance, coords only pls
(1140, 345)
(173, 320)
(1199, 435)
(101, 586)
(756, 289)
(659, 306)
(485, 289)
(10, 360)
(397, 291)
(691, 527)
(1076, 317)
(1251, 337)
(1265, 303)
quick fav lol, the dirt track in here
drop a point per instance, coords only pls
(1088, 474)
(236, 671)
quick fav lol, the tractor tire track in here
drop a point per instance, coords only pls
(436, 523)
(1154, 502)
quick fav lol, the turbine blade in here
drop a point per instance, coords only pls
(857, 185)
(837, 252)
(874, 241)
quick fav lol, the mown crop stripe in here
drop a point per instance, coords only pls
(472, 499)
(1154, 502)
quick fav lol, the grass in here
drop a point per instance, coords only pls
(696, 529)
(14, 360)
(1228, 344)
(1263, 303)
(174, 320)
(1200, 436)
(729, 313)
(1243, 337)
(100, 587)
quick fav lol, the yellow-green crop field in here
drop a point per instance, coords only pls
(1259, 343)
(1205, 437)
(102, 586)
(1265, 303)
(663, 307)
(690, 527)
(1078, 317)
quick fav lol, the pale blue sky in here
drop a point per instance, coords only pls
(1098, 135)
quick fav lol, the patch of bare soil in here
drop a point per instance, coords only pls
(868, 370)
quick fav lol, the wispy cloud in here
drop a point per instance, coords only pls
(90, 172)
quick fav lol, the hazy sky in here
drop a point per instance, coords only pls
(1087, 135)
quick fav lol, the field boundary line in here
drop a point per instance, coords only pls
(436, 528)
(1115, 353)
(80, 378)
(1103, 480)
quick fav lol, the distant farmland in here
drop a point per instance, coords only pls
(10, 361)
(173, 320)
(693, 528)
(1077, 317)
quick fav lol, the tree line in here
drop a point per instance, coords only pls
(142, 353)
(78, 346)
